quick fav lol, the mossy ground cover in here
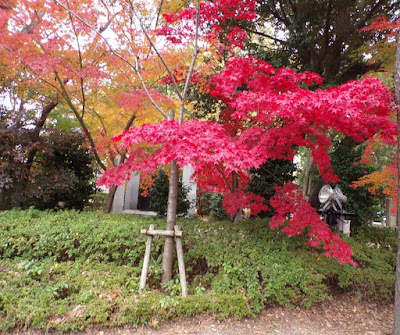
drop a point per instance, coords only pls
(68, 270)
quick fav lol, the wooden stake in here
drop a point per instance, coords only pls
(169, 233)
(177, 233)
(181, 263)
(146, 261)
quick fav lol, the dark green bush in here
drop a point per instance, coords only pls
(211, 204)
(60, 175)
(345, 156)
(159, 196)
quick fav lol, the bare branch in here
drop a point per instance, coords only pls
(190, 73)
(264, 35)
(158, 13)
(80, 62)
(81, 122)
(174, 84)
(137, 70)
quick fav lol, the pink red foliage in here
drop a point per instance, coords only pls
(381, 23)
(179, 26)
(205, 145)
(277, 113)
(295, 214)
(233, 202)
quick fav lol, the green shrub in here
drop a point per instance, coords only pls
(345, 157)
(159, 196)
(211, 204)
(217, 212)
(69, 271)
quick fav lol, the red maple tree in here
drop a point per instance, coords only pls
(269, 113)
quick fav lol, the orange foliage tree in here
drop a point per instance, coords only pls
(385, 180)
(100, 61)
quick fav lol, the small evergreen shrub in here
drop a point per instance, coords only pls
(159, 196)
(211, 204)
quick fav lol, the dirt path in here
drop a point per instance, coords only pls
(342, 316)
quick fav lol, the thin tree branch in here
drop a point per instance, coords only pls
(146, 34)
(83, 125)
(275, 13)
(158, 13)
(284, 14)
(17, 122)
(293, 5)
(396, 324)
(92, 111)
(328, 23)
(190, 73)
(225, 178)
(265, 35)
(80, 62)
(280, 181)
(35, 136)
(117, 54)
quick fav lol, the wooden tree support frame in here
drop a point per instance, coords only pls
(177, 234)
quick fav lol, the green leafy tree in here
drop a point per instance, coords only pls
(63, 172)
(345, 159)
(321, 36)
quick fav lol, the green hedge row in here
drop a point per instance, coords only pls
(69, 270)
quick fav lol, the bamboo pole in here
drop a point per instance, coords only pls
(146, 261)
(169, 233)
(181, 263)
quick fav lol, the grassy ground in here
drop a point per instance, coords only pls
(70, 270)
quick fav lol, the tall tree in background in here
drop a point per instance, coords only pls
(389, 178)
(323, 36)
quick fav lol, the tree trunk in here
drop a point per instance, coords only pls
(238, 217)
(35, 136)
(110, 199)
(111, 193)
(307, 182)
(32, 151)
(168, 255)
(396, 325)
